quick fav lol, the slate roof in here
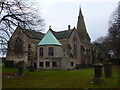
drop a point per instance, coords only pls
(49, 39)
(38, 35)
(33, 34)
(62, 34)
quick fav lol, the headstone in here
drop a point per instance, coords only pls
(20, 70)
(97, 73)
(20, 66)
(108, 69)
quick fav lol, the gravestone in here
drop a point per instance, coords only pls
(108, 69)
(97, 72)
(20, 70)
(20, 66)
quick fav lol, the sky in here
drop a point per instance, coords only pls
(61, 13)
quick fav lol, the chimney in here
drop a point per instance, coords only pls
(68, 27)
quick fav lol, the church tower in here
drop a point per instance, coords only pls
(81, 29)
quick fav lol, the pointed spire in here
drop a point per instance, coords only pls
(81, 28)
(81, 24)
(80, 13)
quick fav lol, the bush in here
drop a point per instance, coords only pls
(20, 63)
(115, 61)
(31, 68)
(9, 63)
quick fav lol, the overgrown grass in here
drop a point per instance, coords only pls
(59, 79)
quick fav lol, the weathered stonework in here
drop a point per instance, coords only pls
(76, 49)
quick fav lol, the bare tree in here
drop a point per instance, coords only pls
(112, 41)
(17, 12)
(103, 44)
(100, 40)
(114, 32)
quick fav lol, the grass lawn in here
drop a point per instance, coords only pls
(59, 79)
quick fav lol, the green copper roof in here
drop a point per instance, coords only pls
(49, 39)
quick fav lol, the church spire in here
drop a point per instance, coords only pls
(80, 13)
(81, 24)
(81, 28)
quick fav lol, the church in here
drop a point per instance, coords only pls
(64, 50)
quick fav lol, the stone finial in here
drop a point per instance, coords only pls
(74, 28)
(68, 27)
(49, 26)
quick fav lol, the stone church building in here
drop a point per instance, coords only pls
(63, 50)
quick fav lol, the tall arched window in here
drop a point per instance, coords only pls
(75, 50)
(75, 47)
(18, 46)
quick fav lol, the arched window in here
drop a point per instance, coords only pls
(18, 46)
(75, 50)
(75, 47)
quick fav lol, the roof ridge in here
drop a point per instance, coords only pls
(33, 31)
(61, 31)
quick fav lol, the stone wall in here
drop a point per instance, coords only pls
(11, 55)
(74, 39)
(62, 64)
(58, 51)
(65, 52)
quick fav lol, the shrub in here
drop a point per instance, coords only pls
(9, 63)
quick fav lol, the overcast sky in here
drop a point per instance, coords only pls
(61, 13)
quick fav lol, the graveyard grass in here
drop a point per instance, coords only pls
(60, 79)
